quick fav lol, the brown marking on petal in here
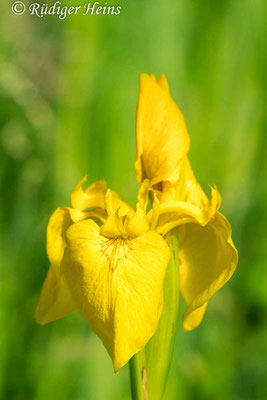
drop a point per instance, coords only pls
(115, 250)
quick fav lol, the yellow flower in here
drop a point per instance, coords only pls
(109, 261)
(109, 265)
(207, 254)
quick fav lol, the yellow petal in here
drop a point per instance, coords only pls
(117, 285)
(185, 202)
(138, 224)
(55, 300)
(57, 226)
(113, 226)
(187, 189)
(208, 260)
(163, 83)
(121, 205)
(176, 213)
(161, 134)
(113, 203)
(59, 222)
(93, 196)
(153, 215)
(143, 194)
(194, 319)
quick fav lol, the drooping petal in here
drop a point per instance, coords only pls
(59, 222)
(55, 235)
(208, 260)
(117, 285)
(93, 196)
(161, 134)
(55, 300)
(195, 318)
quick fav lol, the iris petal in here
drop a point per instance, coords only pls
(93, 196)
(55, 301)
(186, 188)
(59, 222)
(185, 202)
(117, 285)
(57, 226)
(164, 83)
(176, 213)
(208, 260)
(161, 133)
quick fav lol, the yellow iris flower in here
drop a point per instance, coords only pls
(109, 261)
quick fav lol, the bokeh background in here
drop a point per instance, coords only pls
(68, 93)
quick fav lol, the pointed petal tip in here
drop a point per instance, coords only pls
(163, 83)
(193, 319)
(161, 133)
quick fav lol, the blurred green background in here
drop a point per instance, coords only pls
(68, 93)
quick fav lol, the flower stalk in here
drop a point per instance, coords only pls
(138, 380)
(149, 368)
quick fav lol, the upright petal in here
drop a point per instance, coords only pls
(208, 260)
(117, 285)
(161, 134)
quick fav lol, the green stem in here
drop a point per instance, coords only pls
(138, 376)
(149, 368)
